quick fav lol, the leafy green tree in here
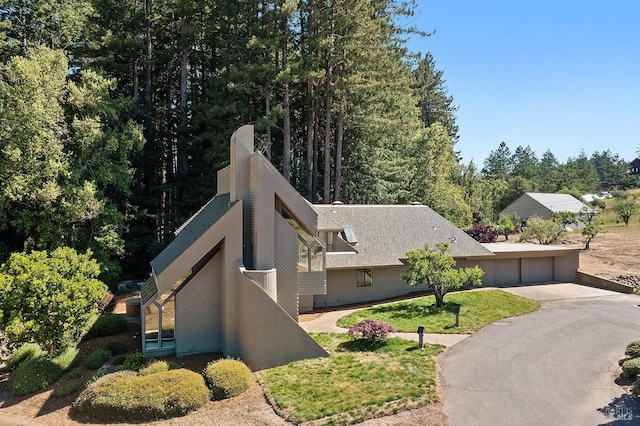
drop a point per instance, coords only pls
(435, 268)
(65, 172)
(565, 218)
(612, 170)
(49, 298)
(548, 173)
(542, 231)
(625, 209)
(507, 224)
(579, 174)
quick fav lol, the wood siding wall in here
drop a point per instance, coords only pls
(199, 311)
(286, 263)
(224, 180)
(268, 335)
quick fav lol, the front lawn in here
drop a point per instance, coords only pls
(358, 381)
(477, 310)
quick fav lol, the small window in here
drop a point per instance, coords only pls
(364, 277)
(350, 235)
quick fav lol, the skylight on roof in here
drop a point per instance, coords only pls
(350, 235)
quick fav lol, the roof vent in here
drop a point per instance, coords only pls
(337, 203)
(416, 203)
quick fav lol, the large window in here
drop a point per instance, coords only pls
(364, 277)
(310, 248)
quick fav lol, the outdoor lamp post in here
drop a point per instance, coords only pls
(420, 334)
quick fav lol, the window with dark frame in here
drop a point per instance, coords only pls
(364, 277)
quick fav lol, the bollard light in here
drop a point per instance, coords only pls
(420, 334)
(456, 310)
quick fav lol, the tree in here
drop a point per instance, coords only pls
(49, 298)
(525, 163)
(507, 224)
(499, 163)
(543, 231)
(435, 268)
(599, 203)
(590, 231)
(565, 218)
(65, 174)
(625, 209)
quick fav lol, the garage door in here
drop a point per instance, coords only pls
(506, 271)
(537, 270)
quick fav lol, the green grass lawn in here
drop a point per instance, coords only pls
(477, 309)
(358, 381)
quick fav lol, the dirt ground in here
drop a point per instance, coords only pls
(612, 254)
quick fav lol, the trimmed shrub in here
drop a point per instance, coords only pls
(631, 367)
(119, 360)
(66, 390)
(154, 367)
(636, 388)
(37, 373)
(375, 331)
(483, 233)
(127, 396)
(97, 359)
(107, 325)
(227, 378)
(633, 349)
(116, 348)
(74, 374)
(135, 361)
(23, 353)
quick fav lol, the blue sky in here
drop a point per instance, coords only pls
(559, 75)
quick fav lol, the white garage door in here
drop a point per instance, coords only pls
(506, 271)
(538, 270)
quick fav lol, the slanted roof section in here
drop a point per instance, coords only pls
(558, 202)
(386, 232)
(193, 229)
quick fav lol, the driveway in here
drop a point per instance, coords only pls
(556, 366)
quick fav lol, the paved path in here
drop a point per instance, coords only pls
(556, 366)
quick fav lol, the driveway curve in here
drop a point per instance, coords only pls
(556, 366)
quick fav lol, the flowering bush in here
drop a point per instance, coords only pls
(372, 330)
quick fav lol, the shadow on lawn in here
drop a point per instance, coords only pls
(412, 310)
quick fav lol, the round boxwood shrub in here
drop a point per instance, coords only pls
(227, 378)
(116, 348)
(631, 367)
(154, 367)
(633, 349)
(23, 353)
(97, 359)
(128, 396)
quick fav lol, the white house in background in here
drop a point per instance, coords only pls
(544, 205)
(242, 268)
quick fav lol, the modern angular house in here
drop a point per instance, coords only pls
(242, 268)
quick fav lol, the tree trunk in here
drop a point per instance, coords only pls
(439, 299)
(286, 119)
(182, 128)
(337, 193)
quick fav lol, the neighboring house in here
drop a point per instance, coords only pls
(242, 268)
(543, 205)
(634, 167)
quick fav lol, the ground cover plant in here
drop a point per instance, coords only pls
(22, 354)
(477, 310)
(359, 380)
(39, 372)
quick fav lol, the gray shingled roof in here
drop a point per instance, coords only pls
(193, 229)
(385, 233)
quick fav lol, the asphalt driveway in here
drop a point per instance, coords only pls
(556, 366)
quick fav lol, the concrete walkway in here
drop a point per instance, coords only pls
(327, 324)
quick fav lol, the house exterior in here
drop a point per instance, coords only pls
(543, 205)
(634, 167)
(242, 268)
